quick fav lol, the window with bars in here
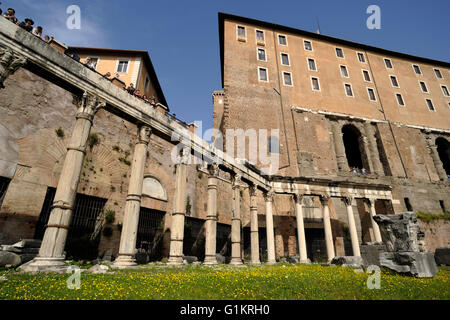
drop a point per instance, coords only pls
(150, 221)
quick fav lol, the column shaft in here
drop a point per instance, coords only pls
(327, 228)
(373, 148)
(254, 235)
(211, 217)
(236, 258)
(436, 160)
(269, 229)
(132, 210)
(375, 227)
(300, 229)
(352, 227)
(339, 147)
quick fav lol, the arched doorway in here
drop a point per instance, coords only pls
(443, 149)
(354, 150)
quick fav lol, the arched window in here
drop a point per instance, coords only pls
(443, 148)
(151, 187)
(274, 145)
(354, 150)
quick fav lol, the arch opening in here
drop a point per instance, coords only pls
(354, 150)
(443, 149)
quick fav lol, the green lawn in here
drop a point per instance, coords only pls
(197, 282)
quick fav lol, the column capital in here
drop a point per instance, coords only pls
(236, 180)
(144, 133)
(347, 199)
(88, 106)
(10, 62)
(298, 197)
(268, 196)
(370, 201)
(252, 188)
(213, 169)
(324, 198)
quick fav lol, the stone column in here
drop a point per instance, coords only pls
(374, 155)
(211, 216)
(51, 253)
(300, 228)
(128, 236)
(365, 145)
(352, 225)
(236, 257)
(179, 212)
(435, 156)
(254, 235)
(324, 199)
(375, 227)
(9, 64)
(339, 147)
(269, 228)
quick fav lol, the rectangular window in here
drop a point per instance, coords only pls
(122, 66)
(438, 74)
(400, 99)
(344, 71)
(388, 63)
(417, 69)
(261, 54)
(241, 31)
(339, 53)
(430, 105)
(262, 74)
(285, 59)
(312, 64)
(366, 75)
(282, 40)
(348, 90)
(315, 83)
(361, 57)
(308, 45)
(394, 81)
(371, 94)
(260, 35)
(146, 84)
(445, 91)
(287, 78)
(423, 86)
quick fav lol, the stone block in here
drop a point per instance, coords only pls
(220, 258)
(190, 259)
(370, 253)
(27, 257)
(11, 249)
(9, 259)
(442, 256)
(347, 261)
(28, 243)
(417, 264)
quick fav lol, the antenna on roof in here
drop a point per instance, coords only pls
(318, 25)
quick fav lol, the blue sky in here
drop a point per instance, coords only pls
(182, 36)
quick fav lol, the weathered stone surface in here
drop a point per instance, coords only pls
(220, 258)
(370, 253)
(10, 248)
(418, 264)
(190, 259)
(99, 268)
(28, 243)
(442, 256)
(293, 259)
(27, 257)
(352, 261)
(400, 232)
(9, 259)
(107, 256)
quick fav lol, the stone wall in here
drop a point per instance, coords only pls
(437, 233)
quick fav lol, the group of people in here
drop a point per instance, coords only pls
(358, 170)
(135, 92)
(27, 24)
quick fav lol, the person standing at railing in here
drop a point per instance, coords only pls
(11, 15)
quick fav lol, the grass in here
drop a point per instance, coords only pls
(429, 217)
(281, 282)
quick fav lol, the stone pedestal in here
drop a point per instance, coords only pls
(51, 253)
(178, 215)
(211, 217)
(269, 229)
(254, 236)
(236, 258)
(324, 199)
(352, 226)
(300, 228)
(133, 205)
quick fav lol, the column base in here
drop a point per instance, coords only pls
(45, 264)
(175, 261)
(210, 261)
(255, 263)
(236, 262)
(307, 261)
(271, 263)
(123, 262)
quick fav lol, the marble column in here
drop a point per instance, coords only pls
(374, 155)
(179, 212)
(9, 64)
(51, 253)
(436, 159)
(236, 255)
(339, 147)
(324, 199)
(269, 228)
(132, 209)
(300, 228)
(348, 200)
(375, 227)
(254, 235)
(211, 216)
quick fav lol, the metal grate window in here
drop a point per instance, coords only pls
(4, 183)
(150, 221)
